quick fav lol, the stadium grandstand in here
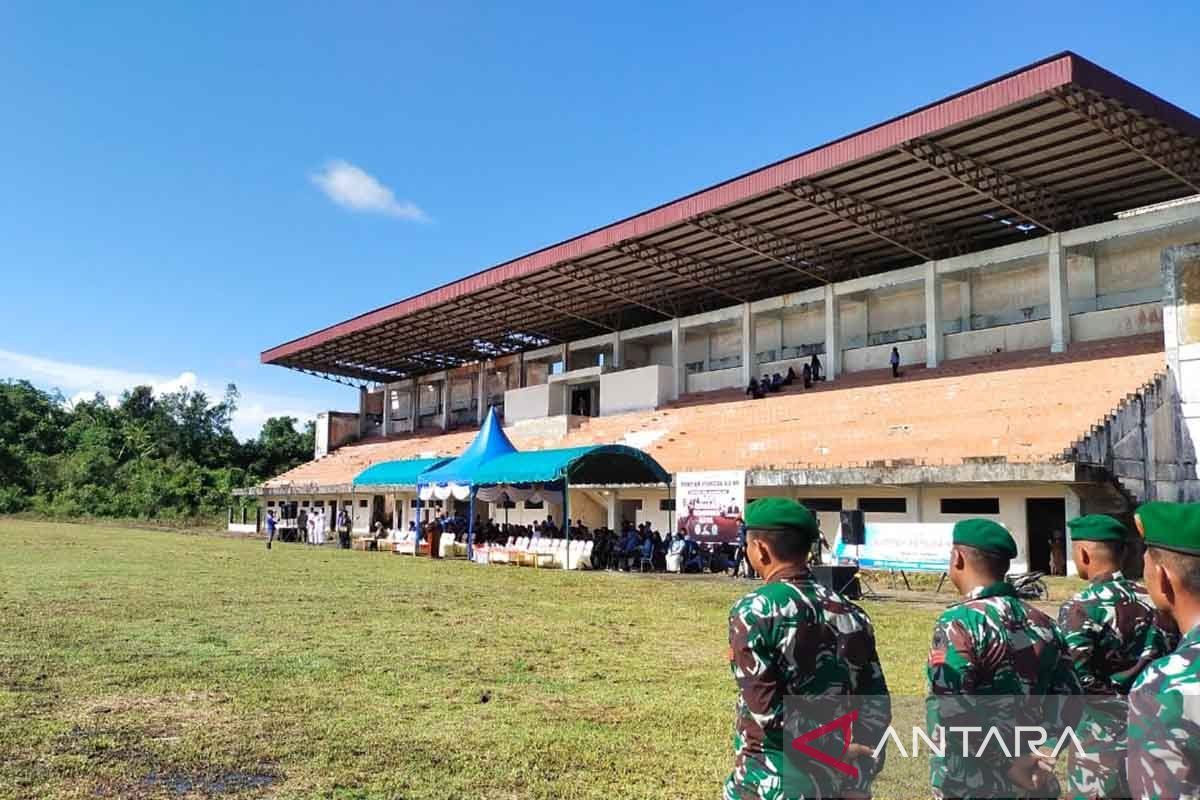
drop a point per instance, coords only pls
(1023, 248)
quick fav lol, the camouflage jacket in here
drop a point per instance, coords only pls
(792, 640)
(1164, 725)
(1113, 633)
(994, 663)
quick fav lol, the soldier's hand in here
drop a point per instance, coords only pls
(1032, 772)
(855, 751)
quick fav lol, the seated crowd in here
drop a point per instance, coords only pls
(637, 548)
(758, 388)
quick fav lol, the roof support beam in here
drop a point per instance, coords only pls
(552, 301)
(1174, 153)
(1027, 199)
(780, 248)
(594, 280)
(922, 239)
(699, 273)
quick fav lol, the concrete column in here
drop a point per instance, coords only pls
(964, 301)
(446, 403)
(1060, 298)
(387, 409)
(618, 358)
(933, 316)
(566, 357)
(1181, 336)
(749, 345)
(611, 505)
(677, 363)
(362, 411)
(414, 411)
(481, 393)
(395, 513)
(1074, 508)
(520, 370)
(833, 334)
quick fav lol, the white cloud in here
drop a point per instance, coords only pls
(80, 382)
(356, 189)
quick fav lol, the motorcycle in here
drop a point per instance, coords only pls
(1029, 585)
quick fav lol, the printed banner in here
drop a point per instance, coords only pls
(709, 504)
(910, 546)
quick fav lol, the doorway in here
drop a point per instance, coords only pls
(581, 401)
(1045, 526)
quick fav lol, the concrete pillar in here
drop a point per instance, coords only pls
(362, 411)
(1074, 508)
(749, 345)
(934, 342)
(833, 334)
(1060, 298)
(387, 409)
(618, 358)
(481, 393)
(566, 357)
(414, 412)
(1181, 335)
(520, 370)
(446, 403)
(964, 301)
(677, 363)
(395, 513)
(611, 506)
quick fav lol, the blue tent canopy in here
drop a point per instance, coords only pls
(597, 464)
(489, 444)
(397, 473)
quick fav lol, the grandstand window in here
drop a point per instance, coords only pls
(883, 505)
(822, 503)
(304, 504)
(413, 503)
(531, 504)
(270, 504)
(361, 504)
(970, 505)
(666, 505)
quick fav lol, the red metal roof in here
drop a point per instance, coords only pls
(1044, 92)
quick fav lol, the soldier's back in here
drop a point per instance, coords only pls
(1164, 725)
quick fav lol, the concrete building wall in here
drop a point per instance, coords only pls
(635, 389)
(1128, 271)
(533, 402)
(1008, 295)
(804, 325)
(716, 379)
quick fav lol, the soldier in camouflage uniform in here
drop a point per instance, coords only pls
(795, 640)
(1113, 633)
(993, 661)
(1164, 704)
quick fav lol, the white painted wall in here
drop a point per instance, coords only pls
(533, 402)
(717, 379)
(635, 389)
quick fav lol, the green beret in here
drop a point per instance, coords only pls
(1096, 528)
(780, 514)
(985, 535)
(1170, 526)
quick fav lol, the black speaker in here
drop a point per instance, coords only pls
(853, 528)
(840, 579)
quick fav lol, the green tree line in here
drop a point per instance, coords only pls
(170, 456)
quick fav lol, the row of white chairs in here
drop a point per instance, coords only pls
(537, 552)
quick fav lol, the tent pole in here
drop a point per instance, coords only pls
(567, 521)
(471, 527)
(417, 527)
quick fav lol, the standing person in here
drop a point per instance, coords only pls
(311, 535)
(992, 644)
(792, 639)
(1164, 716)
(270, 528)
(1113, 633)
(806, 376)
(343, 524)
(302, 525)
(740, 563)
(815, 367)
(894, 360)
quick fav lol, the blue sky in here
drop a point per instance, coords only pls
(170, 202)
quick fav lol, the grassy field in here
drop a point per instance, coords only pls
(139, 663)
